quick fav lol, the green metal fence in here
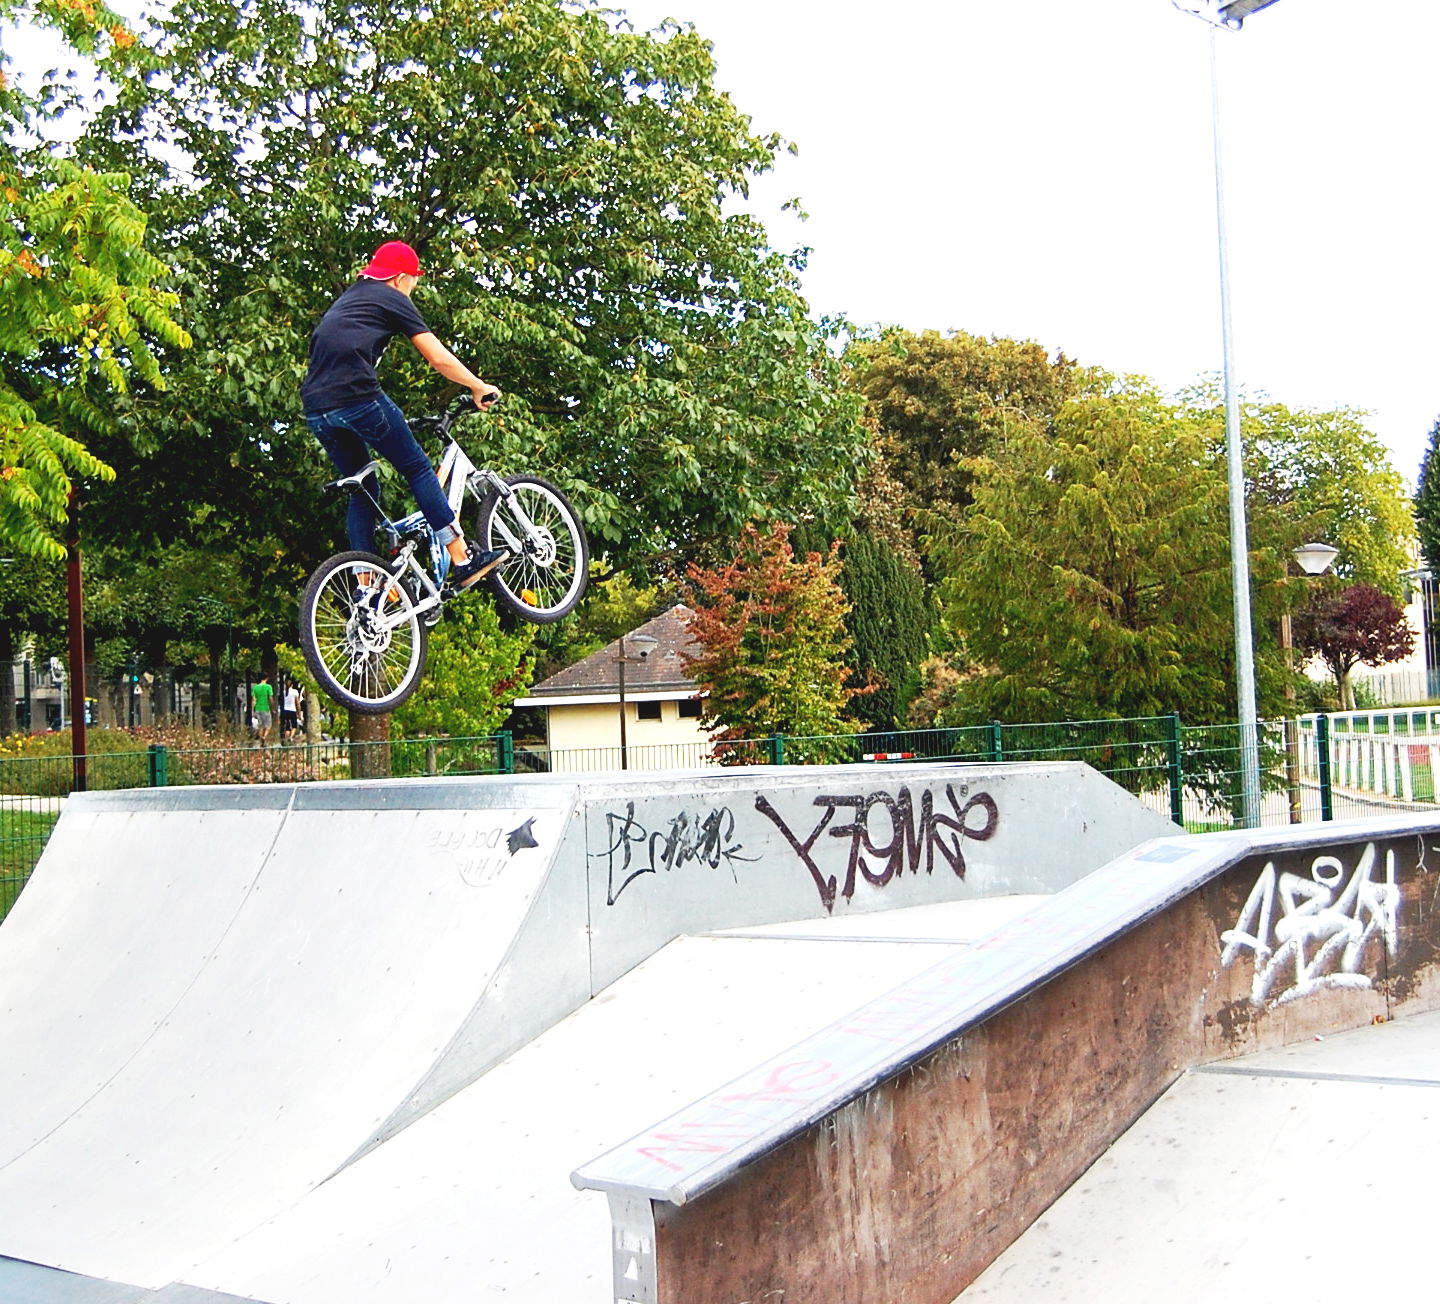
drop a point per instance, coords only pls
(1312, 768)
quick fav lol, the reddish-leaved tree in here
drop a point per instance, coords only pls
(1358, 624)
(772, 629)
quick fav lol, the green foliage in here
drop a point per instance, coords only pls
(475, 671)
(79, 302)
(889, 623)
(772, 630)
(1321, 475)
(1091, 578)
(565, 184)
(937, 401)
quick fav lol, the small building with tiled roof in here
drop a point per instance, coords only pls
(661, 705)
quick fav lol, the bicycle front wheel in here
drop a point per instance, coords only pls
(549, 566)
(360, 633)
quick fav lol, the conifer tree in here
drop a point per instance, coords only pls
(890, 621)
(1427, 502)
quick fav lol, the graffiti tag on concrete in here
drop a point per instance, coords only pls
(1309, 934)
(706, 839)
(887, 836)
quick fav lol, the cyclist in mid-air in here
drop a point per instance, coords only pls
(351, 415)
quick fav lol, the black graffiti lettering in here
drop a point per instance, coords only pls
(707, 840)
(825, 886)
(906, 838)
(985, 802)
(625, 833)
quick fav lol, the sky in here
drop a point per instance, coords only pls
(1043, 169)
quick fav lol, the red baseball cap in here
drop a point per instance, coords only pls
(391, 259)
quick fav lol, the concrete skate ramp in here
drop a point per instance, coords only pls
(472, 1202)
(211, 1000)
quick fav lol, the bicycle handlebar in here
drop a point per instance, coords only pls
(465, 403)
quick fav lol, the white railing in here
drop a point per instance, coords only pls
(1389, 753)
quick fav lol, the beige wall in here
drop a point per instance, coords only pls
(594, 729)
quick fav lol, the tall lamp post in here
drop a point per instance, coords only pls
(1313, 559)
(643, 645)
(1232, 15)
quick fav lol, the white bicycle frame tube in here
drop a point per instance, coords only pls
(456, 474)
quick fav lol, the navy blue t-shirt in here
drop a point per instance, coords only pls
(349, 340)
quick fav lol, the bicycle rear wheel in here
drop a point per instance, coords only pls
(360, 633)
(549, 567)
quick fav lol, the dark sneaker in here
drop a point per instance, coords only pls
(478, 565)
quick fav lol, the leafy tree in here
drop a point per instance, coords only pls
(1322, 476)
(78, 297)
(164, 606)
(1359, 624)
(1427, 502)
(1091, 578)
(564, 182)
(772, 630)
(937, 401)
(475, 670)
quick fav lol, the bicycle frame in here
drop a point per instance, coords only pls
(457, 475)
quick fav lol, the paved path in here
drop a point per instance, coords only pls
(1303, 1173)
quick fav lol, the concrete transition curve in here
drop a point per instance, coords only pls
(213, 1001)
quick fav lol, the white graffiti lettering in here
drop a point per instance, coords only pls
(1309, 934)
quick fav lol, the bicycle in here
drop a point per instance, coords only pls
(365, 620)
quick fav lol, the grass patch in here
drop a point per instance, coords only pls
(22, 838)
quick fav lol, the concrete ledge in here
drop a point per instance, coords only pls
(894, 1154)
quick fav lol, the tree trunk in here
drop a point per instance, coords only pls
(313, 703)
(214, 709)
(369, 746)
(8, 721)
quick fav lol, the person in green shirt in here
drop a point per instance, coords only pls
(261, 700)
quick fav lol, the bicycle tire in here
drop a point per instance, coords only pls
(365, 645)
(549, 569)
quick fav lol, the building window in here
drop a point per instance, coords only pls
(647, 710)
(689, 708)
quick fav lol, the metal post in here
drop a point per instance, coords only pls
(646, 643)
(159, 764)
(1322, 748)
(1239, 543)
(75, 603)
(1177, 780)
(624, 751)
(997, 744)
(1292, 725)
(505, 747)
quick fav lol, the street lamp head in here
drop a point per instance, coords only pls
(642, 644)
(1315, 558)
(1223, 13)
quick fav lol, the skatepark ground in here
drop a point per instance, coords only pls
(386, 1043)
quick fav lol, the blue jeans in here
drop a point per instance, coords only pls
(350, 434)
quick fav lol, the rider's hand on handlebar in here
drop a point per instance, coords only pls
(485, 396)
